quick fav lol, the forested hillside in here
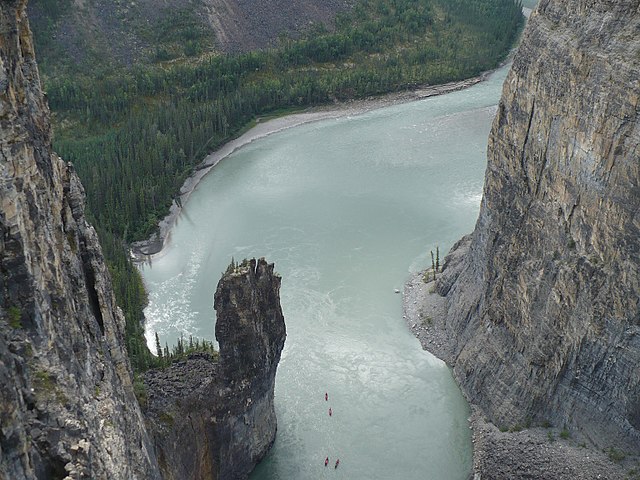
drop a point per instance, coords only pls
(86, 35)
(135, 134)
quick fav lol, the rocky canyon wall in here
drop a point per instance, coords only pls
(67, 407)
(67, 404)
(542, 299)
(213, 417)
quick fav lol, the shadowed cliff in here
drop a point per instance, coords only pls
(67, 408)
(542, 299)
(67, 405)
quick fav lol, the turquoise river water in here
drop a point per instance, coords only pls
(346, 208)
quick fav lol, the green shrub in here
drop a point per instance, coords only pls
(166, 418)
(140, 390)
(15, 317)
(615, 454)
(46, 387)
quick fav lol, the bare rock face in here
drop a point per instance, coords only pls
(213, 417)
(67, 407)
(245, 25)
(542, 300)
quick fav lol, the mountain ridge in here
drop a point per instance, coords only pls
(123, 33)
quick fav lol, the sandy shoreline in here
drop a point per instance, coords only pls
(153, 247)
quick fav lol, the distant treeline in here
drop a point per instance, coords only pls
(135, 135)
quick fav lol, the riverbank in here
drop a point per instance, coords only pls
(533, 453)
(147, 250)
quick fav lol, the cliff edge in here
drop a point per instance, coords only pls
(67, 407)
(67, 403)
(538, 310)
(213, 417)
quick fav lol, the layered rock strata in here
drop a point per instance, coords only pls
(541, 303)
(67, 406)
(213, 417)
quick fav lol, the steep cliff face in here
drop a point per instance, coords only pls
(67, 405)
(542, 300)
(213, 417)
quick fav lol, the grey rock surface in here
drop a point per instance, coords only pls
(67, 403)
(535, 452)
(213, 417)
(540, 305)
(67, 406)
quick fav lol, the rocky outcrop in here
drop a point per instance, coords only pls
(540, 304)
(213, 416)
(67, 406)
(67, 403)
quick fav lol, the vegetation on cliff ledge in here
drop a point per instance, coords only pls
(135, 134)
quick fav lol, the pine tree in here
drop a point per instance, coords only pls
(433, 265)
(158, 346)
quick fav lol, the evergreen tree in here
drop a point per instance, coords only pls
(433, 265)
(158, 347)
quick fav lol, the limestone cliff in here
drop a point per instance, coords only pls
(213, 417)
(67, 407)
(542, 299)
